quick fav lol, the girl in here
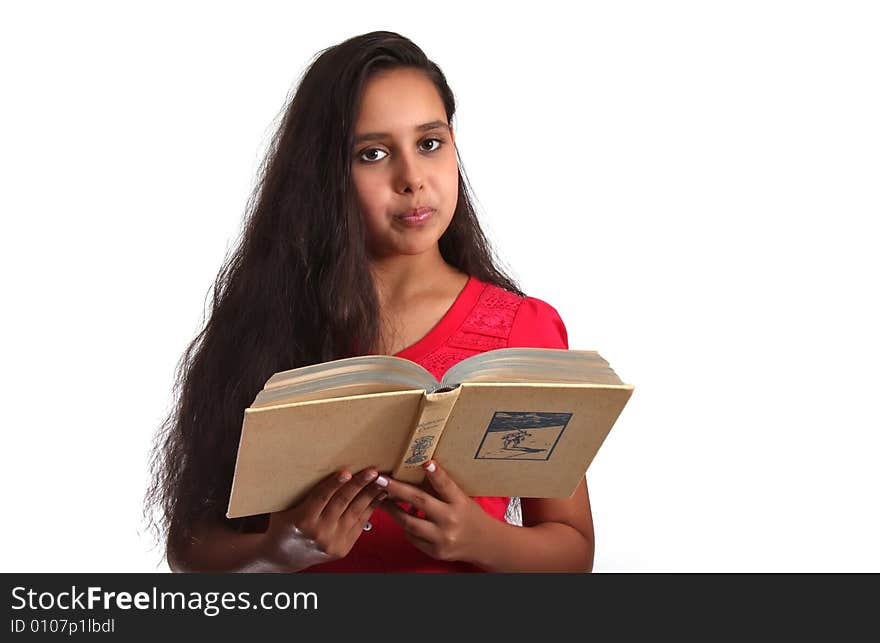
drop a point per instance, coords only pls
(362, 239)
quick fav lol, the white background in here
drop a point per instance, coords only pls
(693, 185)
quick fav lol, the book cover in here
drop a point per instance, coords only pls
(533, 435)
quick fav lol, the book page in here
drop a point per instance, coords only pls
(533, 365)
(345, 377)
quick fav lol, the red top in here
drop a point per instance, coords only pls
(483, 317)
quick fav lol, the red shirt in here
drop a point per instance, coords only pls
(483, 317)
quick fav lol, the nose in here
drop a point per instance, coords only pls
(410, 173)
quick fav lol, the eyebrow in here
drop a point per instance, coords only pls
(424, 127)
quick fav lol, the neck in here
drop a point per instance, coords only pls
(400, 278)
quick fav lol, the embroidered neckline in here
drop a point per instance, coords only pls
(480, 320)
(448, 324)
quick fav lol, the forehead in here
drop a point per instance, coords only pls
(396, 100)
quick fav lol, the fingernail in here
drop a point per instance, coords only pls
(382, 481)
(370, 475)
(431, 467)
(345, 476)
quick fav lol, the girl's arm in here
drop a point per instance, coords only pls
(322, 527)
(214, 547)
(557, 535)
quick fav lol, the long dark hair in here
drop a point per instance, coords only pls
(297, 288)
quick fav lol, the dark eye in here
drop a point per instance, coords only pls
(370, 151)
(363, 155)
(437, 140)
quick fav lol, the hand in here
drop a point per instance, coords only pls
(326, 523)
(453, 525)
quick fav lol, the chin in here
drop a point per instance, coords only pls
(413, 249)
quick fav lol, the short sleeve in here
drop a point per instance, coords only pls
(537, 325)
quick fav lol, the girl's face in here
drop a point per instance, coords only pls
(403, 158)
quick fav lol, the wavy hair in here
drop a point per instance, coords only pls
(296, 290)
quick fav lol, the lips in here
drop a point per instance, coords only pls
(416, 212)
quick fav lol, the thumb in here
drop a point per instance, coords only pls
(441, 482)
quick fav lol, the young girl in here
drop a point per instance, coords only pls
(362, 239)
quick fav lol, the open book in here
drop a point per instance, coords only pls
(508, 422)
